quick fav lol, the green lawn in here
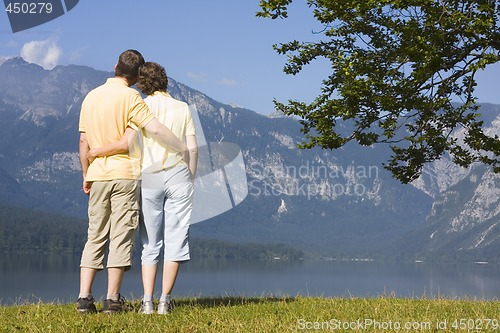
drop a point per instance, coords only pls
(264, 314)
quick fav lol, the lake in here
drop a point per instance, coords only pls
(55, 278)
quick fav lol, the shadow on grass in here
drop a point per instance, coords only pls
(211, 302)
(224, 301)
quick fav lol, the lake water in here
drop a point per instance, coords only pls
(56, 279)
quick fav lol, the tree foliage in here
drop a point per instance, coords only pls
(396, 68)
(24, 231)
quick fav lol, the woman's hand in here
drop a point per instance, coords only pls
(91, 155)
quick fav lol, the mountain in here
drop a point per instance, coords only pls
(463, 222)
(12, 192)
(338, 203)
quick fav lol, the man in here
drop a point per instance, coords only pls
(113, 182)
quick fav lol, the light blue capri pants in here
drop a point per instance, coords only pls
(167, 202)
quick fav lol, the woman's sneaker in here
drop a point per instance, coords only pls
(147, 307)
(86, 305)
(165, 307)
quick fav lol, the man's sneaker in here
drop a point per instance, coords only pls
(110, 306)
(147, 307)
(86, 305)
(165, 307)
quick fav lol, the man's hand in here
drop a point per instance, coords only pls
(86, 187)
(84, 149)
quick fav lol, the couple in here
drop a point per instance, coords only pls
(112, 160)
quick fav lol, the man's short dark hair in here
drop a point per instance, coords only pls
(152, 77)
(128, 64)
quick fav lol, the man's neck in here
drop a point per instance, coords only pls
(124, 79)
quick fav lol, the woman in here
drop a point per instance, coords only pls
(167, 187)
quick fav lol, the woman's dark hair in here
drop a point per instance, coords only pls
(152, 77)
(128, 64)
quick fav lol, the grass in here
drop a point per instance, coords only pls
(267, 314)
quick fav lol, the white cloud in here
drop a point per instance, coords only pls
(198, 77)
(227, 82)
(45, 53)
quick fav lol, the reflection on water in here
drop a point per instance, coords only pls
(56, 278)
(20, 263)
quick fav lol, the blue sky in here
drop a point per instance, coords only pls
(218, 47)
